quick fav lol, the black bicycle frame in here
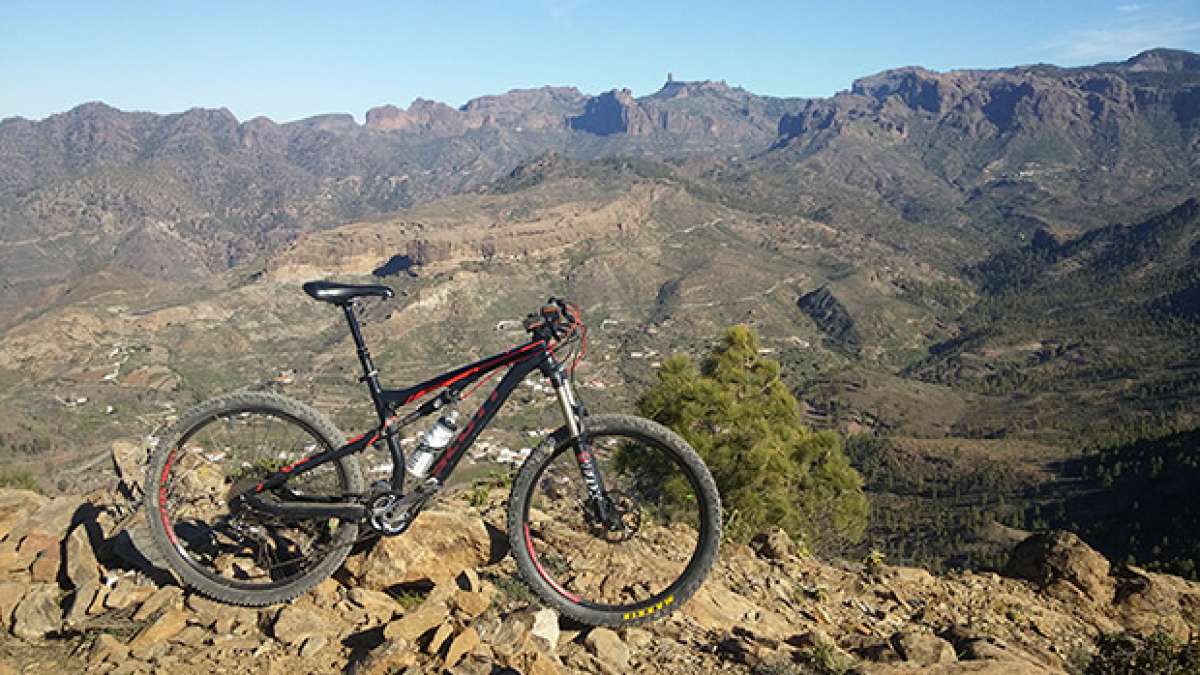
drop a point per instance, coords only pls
(520, 361)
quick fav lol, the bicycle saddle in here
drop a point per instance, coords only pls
(342, 294)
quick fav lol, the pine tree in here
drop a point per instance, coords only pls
(770, 468)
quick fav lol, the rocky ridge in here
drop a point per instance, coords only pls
(76, 595)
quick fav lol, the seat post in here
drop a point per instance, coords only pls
(370, 374)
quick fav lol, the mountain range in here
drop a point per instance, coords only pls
(995, 263)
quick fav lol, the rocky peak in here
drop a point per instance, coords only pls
(525, 109)
(263, 134)
(613, 112)
(423, 116)
(1163, 61)
(682, 89)
(328, 122)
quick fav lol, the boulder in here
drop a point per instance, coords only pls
(471, 604)
(607, 646)
(774, 544)
(545, 627)
(923, 648)
(127, 593)
(1063, 566)
(81, 600)
(129, 462)
(298, 622)
(417, 622)
(439, 546)
(11, 594)
(38, 613)
(81, 566)
(107, 648)
(15, 507)
(164, 628)
(46, 565)
(462, 644)
(378, 605)
(1146, 601)
(167, 596)
(51, 520)
(439, 637)
(393, 656)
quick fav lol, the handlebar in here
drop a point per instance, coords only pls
(554, 317)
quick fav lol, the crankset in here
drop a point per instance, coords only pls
(391, 514)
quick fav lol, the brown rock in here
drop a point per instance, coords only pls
(129, 461)
(472, 604)
(463, 643)
(192, 636)
(38, 613)
(107, 648)
(439, 638)
(127, 593)
(81, 566)
(773, 545)
(81, 600)
(545, 628)
(205, 612)
(15, 507)
(327, 593)
(439, 546)
(49, 521)
(96, 607)
(312, 645)
(390, 657)
(164, 628)
(468, 580)
(378, 605)
(1148, 600)
(297, 622)
(923, 648)
(1063, 566)
(167, 596)
(608, 647)
(417, 622)
(11, 593)
(45, 565)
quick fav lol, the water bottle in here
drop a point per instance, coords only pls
(432, 443)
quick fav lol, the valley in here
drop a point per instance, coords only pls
(974, 275)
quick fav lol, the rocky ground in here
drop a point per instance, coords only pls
(76, 596)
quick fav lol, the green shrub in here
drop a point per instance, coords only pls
(1130, 654)
(770, 468)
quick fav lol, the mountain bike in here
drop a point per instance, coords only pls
(255, 498)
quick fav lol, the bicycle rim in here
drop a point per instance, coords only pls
(224, 455)
(633, 570)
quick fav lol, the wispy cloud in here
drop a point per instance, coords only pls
(1121, 39)
(1131, 8)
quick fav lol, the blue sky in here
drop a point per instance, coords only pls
(289, 60)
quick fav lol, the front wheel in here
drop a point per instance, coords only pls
(656, 548)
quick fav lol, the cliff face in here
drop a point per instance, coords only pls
(79, 590)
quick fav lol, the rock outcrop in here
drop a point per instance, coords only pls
(443, 597)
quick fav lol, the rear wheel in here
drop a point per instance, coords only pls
(655, 552)
(222, 448)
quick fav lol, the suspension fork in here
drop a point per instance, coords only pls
(588, 467)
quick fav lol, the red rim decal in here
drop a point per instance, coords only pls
(538, 564)
(162, 498)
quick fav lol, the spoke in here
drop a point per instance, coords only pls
(245, 547)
